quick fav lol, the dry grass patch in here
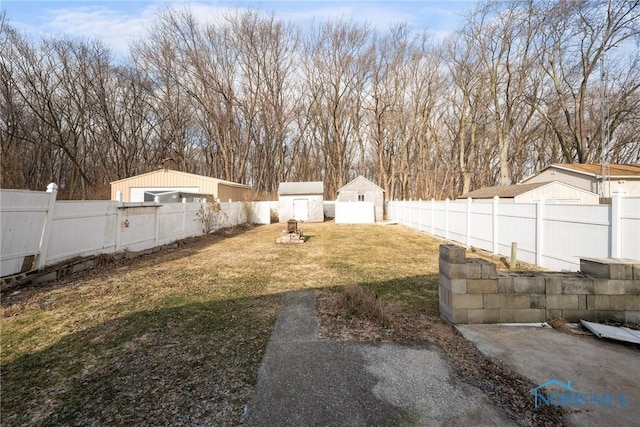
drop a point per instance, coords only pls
(177, 337)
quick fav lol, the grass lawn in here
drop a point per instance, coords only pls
(177, 337)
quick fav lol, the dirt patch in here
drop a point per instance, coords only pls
(508, 390)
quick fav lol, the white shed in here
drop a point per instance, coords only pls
(550, 192)
(301, 200)
(363, 190)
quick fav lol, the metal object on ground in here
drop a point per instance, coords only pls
(619, 333)
(291, 234)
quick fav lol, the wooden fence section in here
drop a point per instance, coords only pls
(548, 235)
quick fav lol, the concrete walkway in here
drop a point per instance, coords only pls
(593, 366)
(307, 381)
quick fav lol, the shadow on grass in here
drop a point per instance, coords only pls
(193, 363)
(179, 365)
(174, 251)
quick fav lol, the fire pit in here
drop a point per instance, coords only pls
(291, 234)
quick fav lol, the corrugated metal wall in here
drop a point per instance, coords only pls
(167, 178)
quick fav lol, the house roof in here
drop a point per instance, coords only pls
(185, 174)
(616, 171)
(506, 191)
(293, 188)
(360, 178)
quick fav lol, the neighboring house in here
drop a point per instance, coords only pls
(590, 177)
(168, 183)
(363, 190)
(550, 192)
(301, 200)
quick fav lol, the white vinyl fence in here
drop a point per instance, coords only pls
(38, 231)
(548, 235)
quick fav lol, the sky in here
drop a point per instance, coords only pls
(117, 23)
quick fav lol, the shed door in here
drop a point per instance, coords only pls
(301, 209)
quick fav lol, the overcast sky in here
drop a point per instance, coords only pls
(119, 22)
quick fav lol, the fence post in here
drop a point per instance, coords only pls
(184, 217)
(433, 206)
(52, 189)
(156, 201)
(468, 239)
(404, 211)
(539, 233)
(446, 218)
(616, 225)
(496, 199)
(419, 214)
(119, 197)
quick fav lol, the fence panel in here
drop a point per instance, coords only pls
(22, 217)
(482, 226)
(81, 228)
(458, 221)
(354, 213)
(517, 223)
(630, 227)
(551, 236)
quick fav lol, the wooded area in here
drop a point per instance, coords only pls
(256, 100)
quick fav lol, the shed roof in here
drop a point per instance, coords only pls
(299, 188)
(616, 171)
(360, 178)
(512, 191)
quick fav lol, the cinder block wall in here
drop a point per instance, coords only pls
(472, 291)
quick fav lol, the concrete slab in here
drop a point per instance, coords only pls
(307, 381)
(604, 376)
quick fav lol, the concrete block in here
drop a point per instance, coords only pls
(552, 313)
(454, 271)
(466, 301)
(537, 301)
(473, 269)
(505, 285)
(598, 302)
(459, 316)
(636, 271)
(483, 316)
(577, 286)
(608, 287)
(621, 271)
(632, 316)
(452, 253)
(456, 286)
(529, 285)
(609, 315)
(491, 301)
(530, 315)
(489, 270)
(482, 286)
(624, 302)
(595, 267)
(582, 302)
(632, 287)
(563, 302)
(576, 315)
(514, 301)
(553, 285)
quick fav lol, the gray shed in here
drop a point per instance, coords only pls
(363, 190)
(301, 200)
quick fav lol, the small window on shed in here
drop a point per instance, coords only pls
(361, 197)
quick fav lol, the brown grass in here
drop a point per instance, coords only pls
(177, 337)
